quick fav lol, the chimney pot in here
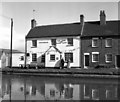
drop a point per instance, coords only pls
(82, 19)
(102, 17)
(33, 23)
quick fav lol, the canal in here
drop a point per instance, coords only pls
(16, 87)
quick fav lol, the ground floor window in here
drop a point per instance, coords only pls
(43, 58)
(34, 57)
(108, 57)
(52, 57)
(69, 56)
(95, 56)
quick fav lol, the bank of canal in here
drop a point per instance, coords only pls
(97, 73)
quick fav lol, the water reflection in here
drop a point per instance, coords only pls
(48, 88)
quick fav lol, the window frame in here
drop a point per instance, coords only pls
(51, 57)
(53, 42)
(34, 43)
(93, 42)
(71, 58)
(93, 53)
(35, 57)
(106, 58)
(70, 41)
(106, 42)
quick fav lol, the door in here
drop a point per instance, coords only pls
(86, 60)
(117, 61)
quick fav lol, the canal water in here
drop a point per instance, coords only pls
(15, 87)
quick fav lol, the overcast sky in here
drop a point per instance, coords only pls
(47, 13)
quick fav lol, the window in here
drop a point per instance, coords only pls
(52, 93)
(95, 56)
(108, 42)
(21, 58)
(43, 59)
(53, 41)
(94, 42)
(69, 56)
(108, 57)
(34, 57)
(34, 43)
(70, 41)
(27, 54)
(52, 57)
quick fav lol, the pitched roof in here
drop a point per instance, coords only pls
(54, 48)
(72, 29)
(111, 28)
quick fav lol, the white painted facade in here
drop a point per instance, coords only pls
(5, 59)
(43, 47)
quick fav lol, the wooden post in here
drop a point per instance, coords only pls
(11, 43)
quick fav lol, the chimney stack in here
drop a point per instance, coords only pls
(102, 17)
(82, 19)
(33, 23)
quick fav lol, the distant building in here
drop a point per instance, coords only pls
(100, 43)
(5, 58)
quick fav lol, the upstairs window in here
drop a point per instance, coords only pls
(69, 56)
(34, 43)
(70, 41)
(108, 42)
(53, 42)
(108, 57)
(95, 56)
(34, 57)
(94, 42)
(52, 57)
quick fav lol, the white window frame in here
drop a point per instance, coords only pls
(33, 42)
(93, 42)
(106, 43)
(93, 54)
(106, 58)
(50, 57)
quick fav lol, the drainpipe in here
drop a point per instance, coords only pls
(25, 52)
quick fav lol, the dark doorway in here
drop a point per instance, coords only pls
(86, 63)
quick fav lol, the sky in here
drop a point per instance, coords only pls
(47, 13)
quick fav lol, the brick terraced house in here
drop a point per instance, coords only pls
(100, 43)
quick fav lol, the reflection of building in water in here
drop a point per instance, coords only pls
(51, 91)
(62, 91)
(99, 92)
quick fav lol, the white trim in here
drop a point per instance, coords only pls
(93, 41)
(106, 58)
(84, 60)
(92, 56)
(106, 44)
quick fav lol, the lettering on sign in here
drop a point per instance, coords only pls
(61, 41)
(43, 42)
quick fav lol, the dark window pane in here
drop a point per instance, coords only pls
(70, 41)
(34, 57)
(53, 41)
(52, 57)
(34, 43)
(95, 57)
(69, 56)
(43, 58)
